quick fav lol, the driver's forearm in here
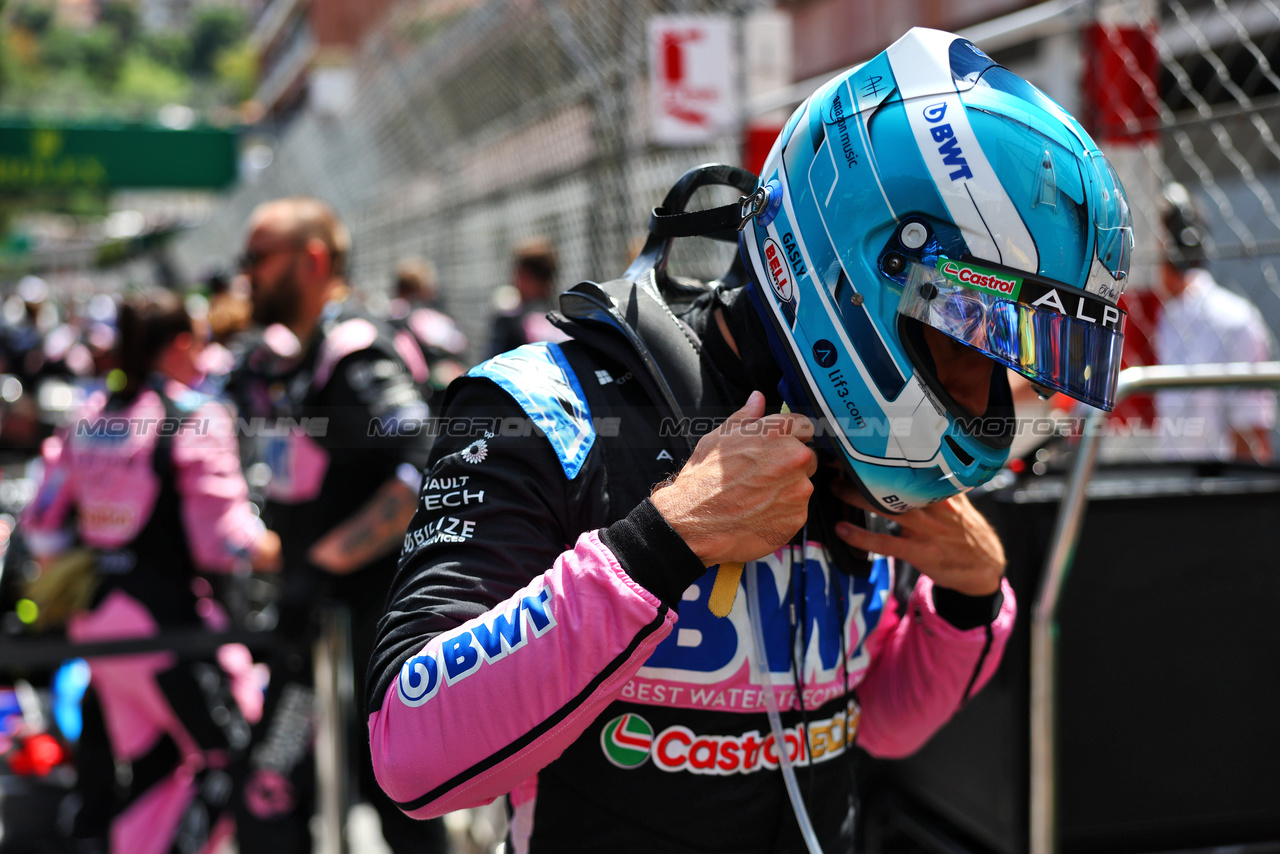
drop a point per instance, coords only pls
(375, 530)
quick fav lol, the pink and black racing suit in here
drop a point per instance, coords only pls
(548, 636)
(154, 485)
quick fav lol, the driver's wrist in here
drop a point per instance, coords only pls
(967, 611)
(653, 553)
(673, 508)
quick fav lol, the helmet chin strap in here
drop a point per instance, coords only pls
(722, 223)
(670, 220)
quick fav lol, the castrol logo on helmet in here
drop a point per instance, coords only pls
(778, 271)
(980, 279)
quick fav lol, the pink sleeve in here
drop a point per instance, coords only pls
(219, 520)
(486, 705)
(44, 521)
(923, 670)
(408, 350)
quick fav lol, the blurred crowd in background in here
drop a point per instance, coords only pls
(57, 348)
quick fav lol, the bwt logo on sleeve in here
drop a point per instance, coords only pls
(461, 653)
(949, 146)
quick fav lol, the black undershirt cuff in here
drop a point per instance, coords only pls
(964, 611)
(653, 554)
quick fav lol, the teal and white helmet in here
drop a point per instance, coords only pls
(933, 186)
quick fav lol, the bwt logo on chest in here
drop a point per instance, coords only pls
(949, 146)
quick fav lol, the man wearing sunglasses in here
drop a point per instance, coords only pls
(340, 494)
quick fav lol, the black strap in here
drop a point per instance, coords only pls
(636, 305)
(716, 223)
(669, 221)
(162, 458)
(668, 351)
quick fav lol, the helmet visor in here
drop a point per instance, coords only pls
(1056, 335)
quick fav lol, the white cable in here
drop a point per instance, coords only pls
(775, 721)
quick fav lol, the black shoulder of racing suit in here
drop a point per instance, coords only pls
(160, 553)
(632, 325)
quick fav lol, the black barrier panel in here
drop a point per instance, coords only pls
(48, 652)
(29, 809)
(1168, 672)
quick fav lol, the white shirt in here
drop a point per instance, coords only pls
(1205, 324)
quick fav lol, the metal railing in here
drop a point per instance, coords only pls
(334, 692)
(335, 709)
(47, 653)
(1062, 549)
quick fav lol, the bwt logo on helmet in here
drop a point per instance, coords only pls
(980, 279)
(949, 146)
(775, 263)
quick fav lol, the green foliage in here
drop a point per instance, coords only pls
(121, 16)
(145, 82)
(87, 203)
(170, 49)
(54, 94)
(213, 30)
(117, 67)
(60, 49)
(34, 16)
(6, 61)
(237, 69)
(103, 55)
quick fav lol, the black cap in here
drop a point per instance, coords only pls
(1184, 227)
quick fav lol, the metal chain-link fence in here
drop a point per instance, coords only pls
(473, 130)
(1218, 113)
(475, 126)
(1186, 92)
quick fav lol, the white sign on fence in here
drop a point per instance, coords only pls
(693, 78)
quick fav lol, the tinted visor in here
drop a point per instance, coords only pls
(1055, 335)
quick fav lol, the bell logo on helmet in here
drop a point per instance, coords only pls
(779, 272)
(981, 280)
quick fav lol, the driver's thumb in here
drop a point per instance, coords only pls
(752, 410)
